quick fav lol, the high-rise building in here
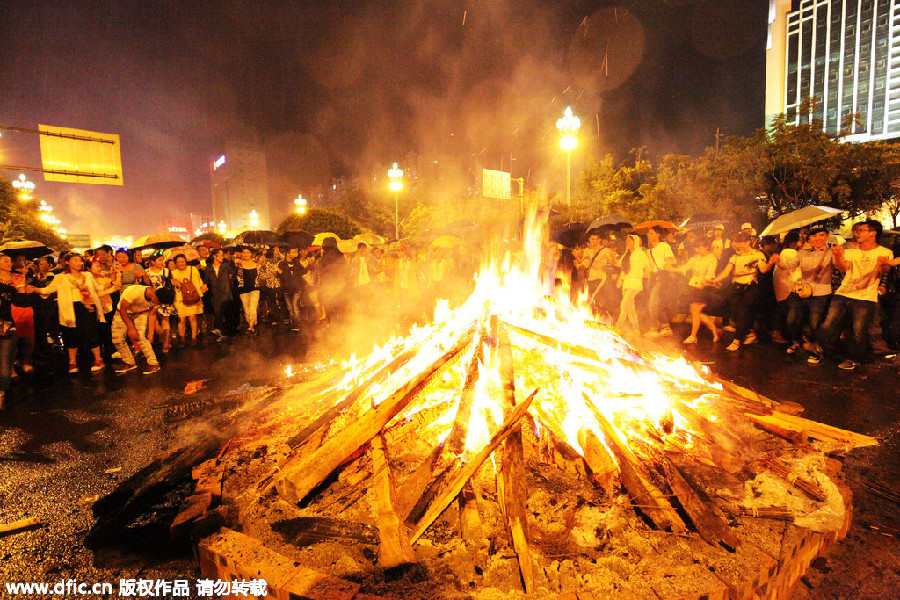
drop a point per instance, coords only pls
(843, 53)
(240, 195)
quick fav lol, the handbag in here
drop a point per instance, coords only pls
(803, 289)
(190, 295)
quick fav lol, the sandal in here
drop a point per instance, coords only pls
(691, 339)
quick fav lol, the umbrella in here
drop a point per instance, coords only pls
(212, 245)
(446, 241)
(258, 237)
(704, 221)
(189, 253)
(609, 221)
(296, 239)
(642, 228)
(27, 248)
(320, 237)
(798, 218)
(158, 240)
(571, 234)
(370, 239)
(347, 246)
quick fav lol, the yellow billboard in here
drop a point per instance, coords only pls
(79, 156)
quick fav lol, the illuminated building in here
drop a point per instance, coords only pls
(844, 53)
(240, 188)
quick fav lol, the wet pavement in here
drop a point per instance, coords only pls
(63, 434)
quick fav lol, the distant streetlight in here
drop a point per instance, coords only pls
(301, 204)
(568, 126)
(24, 186)
(222, 227)
(254, 219)
(396, 177)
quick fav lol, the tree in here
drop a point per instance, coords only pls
(317, 220)
(20, 220)
(604, 189)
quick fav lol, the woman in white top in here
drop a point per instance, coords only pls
(79, 310)
(635, 271)
(701, 271)
(785, 277)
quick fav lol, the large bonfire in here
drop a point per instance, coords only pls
(512, 446)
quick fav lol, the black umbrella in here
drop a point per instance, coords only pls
(610, 222)
(257, 238)
(29, 249)
(296, 239)
(571, 234)
(704, 221)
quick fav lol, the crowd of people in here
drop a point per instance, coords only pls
(800, 290)
(103, 309)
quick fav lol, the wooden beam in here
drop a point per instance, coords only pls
(471, 467)
(706, 516)
(512, 492)
(395, 551)
(302, 475)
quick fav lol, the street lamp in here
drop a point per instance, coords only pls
(568, 126)
(24, 186)
(254, 219)
(396, 176)
(223, 228)
(301, 204)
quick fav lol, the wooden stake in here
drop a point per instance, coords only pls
(20, 525)
(471, 467)
(302, 475)
(604, 470)
(395, 550)
(643, 492)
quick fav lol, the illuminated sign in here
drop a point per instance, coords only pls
(219, 162)
(495, 184)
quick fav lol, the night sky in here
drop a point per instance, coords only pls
(331, 88)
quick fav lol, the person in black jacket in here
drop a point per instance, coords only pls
(219, 278)
(293, 285)
(10, 295)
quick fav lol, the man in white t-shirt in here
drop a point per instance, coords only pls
(130, 323)
(662, 282)
(858, 293)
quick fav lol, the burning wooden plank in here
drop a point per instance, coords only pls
(511, 478)
(644, 494)
(395, 552)
(465, 473)
(299, 476)
(706, 517)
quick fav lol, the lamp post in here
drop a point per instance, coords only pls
(301, 204)
(568, 126)
(24, 186)
(254, 219)
(222, 227)
(396, 175)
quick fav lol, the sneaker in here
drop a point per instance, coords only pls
(73, 368)
(690, 340)
(848, 365)
(97, 366)
(814, 358)
(126, 367)
(116, 355)
(151, 369)
(729, 328)
(750, 339)
(734, 346)
(793, 348)
(777, 338)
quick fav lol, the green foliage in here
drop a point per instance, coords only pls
(317, 220)
(21, 220)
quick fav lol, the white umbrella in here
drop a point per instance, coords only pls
(799, 218)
